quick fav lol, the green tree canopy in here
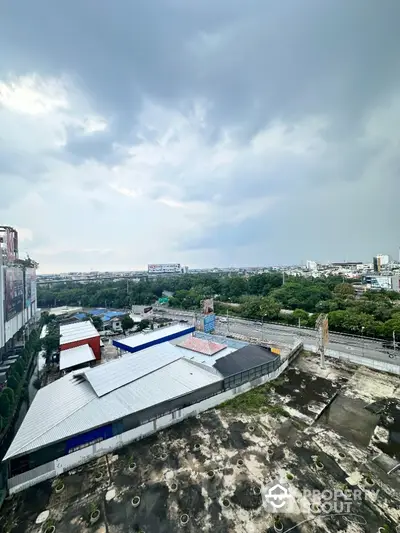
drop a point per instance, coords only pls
(97, 322)
(127, 323)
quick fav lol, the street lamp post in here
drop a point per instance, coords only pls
(262, 327)
(394, 341)
(362, 340)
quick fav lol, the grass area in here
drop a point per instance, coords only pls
(306, 353)
(256, 400)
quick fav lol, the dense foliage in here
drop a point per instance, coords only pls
(17, 381)
(259, 297)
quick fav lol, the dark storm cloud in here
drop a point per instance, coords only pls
(253, 60)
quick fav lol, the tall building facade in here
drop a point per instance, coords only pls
(18, 301)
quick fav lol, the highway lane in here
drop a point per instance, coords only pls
(276, 333)
(309, 340)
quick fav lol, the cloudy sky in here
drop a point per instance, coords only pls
(223, 132)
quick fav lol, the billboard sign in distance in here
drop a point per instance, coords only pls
(163, 300)
(167, 268)
(207, 306)
(209, 323)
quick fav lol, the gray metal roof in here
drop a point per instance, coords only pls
(70, 406)
(108, 377)
(76, 356)
(77, 332)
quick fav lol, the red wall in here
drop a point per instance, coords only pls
(94, 343)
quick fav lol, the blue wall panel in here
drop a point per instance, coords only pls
(102, 433)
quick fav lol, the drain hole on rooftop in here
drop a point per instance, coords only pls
(257, 491)
(251, 429)
(210, 474)
(184, 519)
(98, 476)
(163, 456)
(135, 501)
(196, 447)
(132, 467)
(342, 455)
(240, 462)
(226, 502)
(173, 487)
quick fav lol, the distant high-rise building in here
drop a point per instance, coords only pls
(377, 263)
(380, 261)
(311, 265)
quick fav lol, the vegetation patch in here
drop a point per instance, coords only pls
(256, 400)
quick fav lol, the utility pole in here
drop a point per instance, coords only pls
(227, 320)
(322, 336)
(394, 341)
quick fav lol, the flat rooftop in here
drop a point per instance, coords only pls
(77, 331)
(281, 428)
(76, 356)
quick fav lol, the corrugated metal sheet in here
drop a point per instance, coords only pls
(76, 356)
(206, 347)
(77, 331)
(120, 372)
(70, 406)
(143, 339)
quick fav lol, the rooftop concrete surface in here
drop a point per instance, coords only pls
(212, 468)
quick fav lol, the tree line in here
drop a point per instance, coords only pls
(258, 296)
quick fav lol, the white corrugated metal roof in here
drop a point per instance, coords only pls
(143, 338)
(70, 406)
(76, 356)
(77, 332)
(120, 372)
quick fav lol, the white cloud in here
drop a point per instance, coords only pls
(33, 95)
(170, 187)
(139, 211)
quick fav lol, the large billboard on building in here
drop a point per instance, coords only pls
(13, 292)
(207, 306)
(378, 282)
(170, 268)
(30, 286)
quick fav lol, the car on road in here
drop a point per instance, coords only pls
(223, 320)
(183, 321)
(389, 344)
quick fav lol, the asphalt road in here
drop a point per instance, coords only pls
(287, 335)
